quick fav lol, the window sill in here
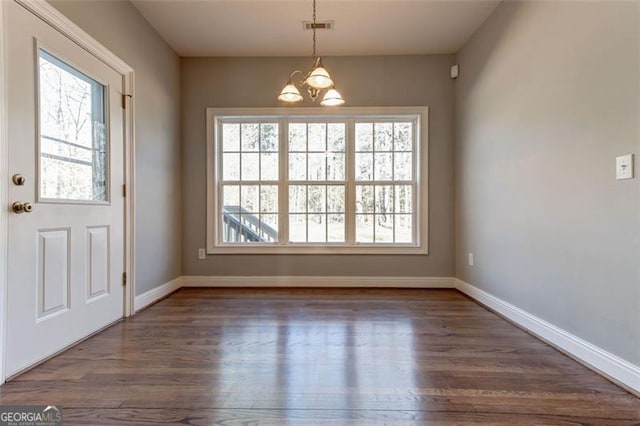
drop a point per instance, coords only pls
(324, 249)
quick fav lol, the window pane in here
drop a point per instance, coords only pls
(249, 136)
(297, 198)
(364, 136)
(231, 196)
(404, 233)
(364, 199)
(402, 167)
(250, 166)
(317, 167)
(317, 198)
(335, 167)
(298, 228)
(231, 166)
(317, 232)
(384, 228)
(335, 199)
(269, 137)
(269, 227)
(269, 166)
(231, 137)
(383, 166)
(335, 228)
(249, 198)
(269, 199)
(317, 137)
(73, 137)
(384, 199)
(364, 167)
(297, 137)
(383, 136)
(297, 166)
(403, 199)
(402, 137)
(231, 226)
(335, 136)
(364, 228)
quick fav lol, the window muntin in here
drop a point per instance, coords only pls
(345, 182)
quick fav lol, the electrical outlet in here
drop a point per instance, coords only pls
(202, 254)
(470, 259)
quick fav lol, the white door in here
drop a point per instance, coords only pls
(66, 230)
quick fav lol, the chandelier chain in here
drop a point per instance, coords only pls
(314, 28)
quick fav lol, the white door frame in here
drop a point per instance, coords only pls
(57, 20)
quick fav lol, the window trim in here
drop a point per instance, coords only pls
(278, 114)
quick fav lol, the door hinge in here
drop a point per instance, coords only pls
(124, 100)
(124, 279)
(124, 190)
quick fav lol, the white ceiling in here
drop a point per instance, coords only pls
(274, 27)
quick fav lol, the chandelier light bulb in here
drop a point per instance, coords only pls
(290, 93)
(332, 98)
(319, 78)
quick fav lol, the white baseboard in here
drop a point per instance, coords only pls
(606, 363)
(315, 281)
(155, 294)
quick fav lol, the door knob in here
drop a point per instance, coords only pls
(19, 207)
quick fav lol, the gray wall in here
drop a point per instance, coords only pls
(547, 98)
(120, 27)
(363, 81)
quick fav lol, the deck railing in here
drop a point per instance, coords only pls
(241, 226)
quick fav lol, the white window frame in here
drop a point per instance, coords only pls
(348, 114)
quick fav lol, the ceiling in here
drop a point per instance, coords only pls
(275, 27)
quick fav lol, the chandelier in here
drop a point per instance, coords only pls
(316, 80)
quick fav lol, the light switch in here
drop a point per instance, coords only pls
(624, 167)
(471, 259)
(202, 254)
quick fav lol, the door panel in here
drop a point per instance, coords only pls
(66, 256)
(98, 252)
(53, 272)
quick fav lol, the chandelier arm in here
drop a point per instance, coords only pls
(294, 73)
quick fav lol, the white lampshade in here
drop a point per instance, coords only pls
(319, 78)
(332, 98)
(290, 93)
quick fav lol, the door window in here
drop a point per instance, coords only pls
(73, 157)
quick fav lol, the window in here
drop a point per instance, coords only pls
(73, 139)
(306, 181)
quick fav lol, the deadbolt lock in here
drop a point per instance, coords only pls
(18, 179)
(19, 207)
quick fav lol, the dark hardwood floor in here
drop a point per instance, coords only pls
(320, 357)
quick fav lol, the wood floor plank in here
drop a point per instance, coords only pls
(320, 356)
(318, 417)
